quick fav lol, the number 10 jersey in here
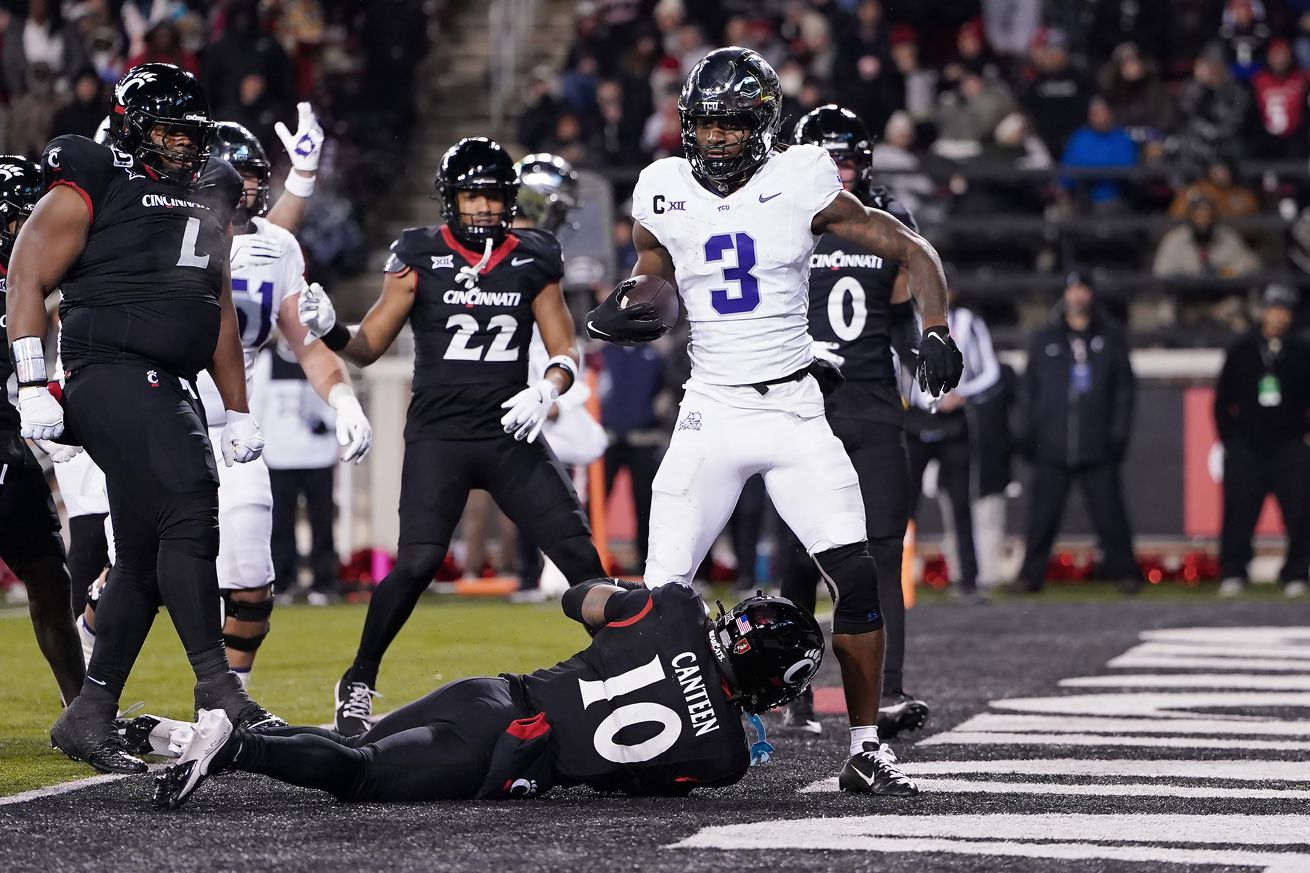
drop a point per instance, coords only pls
(742, 262)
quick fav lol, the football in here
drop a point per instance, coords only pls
(653, 289)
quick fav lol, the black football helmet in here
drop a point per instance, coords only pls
(847, 140)
(476, 163)
(20, 188)
(240, 148)
(548, 190)
(162, 94)
(731, 83)
(768, 650)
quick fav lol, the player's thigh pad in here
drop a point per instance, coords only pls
(814, 486)
(877, 451)
(531, 487)
(434, 486)
(245, 557)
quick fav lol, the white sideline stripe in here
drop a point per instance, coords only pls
(1215, 636)
(1270, 651)
(953, 738)
(1180, 768)
(1155, 705)
(61, 788)
(1247, 681)
(969, 786)
(1081, 724)
(1273, 664)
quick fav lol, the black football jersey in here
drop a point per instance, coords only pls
(146, 285)
(8, 414)
(471, 341)
(642, 709)
(850, 292)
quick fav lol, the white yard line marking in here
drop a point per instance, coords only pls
(61, 788)
(1129, 660)
(1245, 681)
(965, 738)
(1219, 637)
(968, 786)
(1079, 724)
(1181, 768)
(1154, 705)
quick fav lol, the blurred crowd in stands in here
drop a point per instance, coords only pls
(1092, 124)
(355, 62)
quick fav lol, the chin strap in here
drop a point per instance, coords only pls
(468, 276)
(761, 749)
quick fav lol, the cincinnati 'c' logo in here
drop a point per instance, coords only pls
(53, 158)
(9, 171)
(135, 80)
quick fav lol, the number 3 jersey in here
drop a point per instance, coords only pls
(643, 709)
(471, 338)
(147, 282)
(742, 262)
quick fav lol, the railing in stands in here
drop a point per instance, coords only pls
(511, 22)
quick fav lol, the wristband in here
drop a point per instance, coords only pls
(565, 363)
(337, 338)
(29, 361)
(298, 185)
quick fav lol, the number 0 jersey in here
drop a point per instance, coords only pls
(742, 262)
(850, 296)
(642, 709)
(147, 282)
(471, 339)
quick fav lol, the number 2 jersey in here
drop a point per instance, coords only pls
(642, 709)
(742, 262)
(146, 285)
(850, 296)
(471, 339)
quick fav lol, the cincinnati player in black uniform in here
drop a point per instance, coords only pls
(472, 289)
(859, 310)
(135, 239)
(652, 707)
(30, 542)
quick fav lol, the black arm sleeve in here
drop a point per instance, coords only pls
(904, 331)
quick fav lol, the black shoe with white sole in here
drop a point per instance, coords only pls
(799, 715)
(898, 712)
(874, 771)
(85, 731)
(353, 707)
(225, 692)
(173, 785)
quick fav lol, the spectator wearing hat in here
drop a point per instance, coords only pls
(1262, 414)
(1230, 199)
(1076, 411)
(1130, 82)
(1057, 96)
(1280, 91)
(1204, 248)
(1214, 109)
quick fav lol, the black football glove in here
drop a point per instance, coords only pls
(624, 325)
(940, 363)
(827, 374)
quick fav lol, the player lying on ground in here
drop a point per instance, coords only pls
(652, 706)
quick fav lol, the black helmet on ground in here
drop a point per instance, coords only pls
(847, 140)
(241, 148)
(768, 650)
(737, 86)
(477, 164)
(153, 95)
(20, 188)
(548, 190)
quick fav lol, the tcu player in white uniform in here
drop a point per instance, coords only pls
(267, 278)
(733, 226)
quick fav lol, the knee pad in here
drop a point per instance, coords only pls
(852, 579)
(246, 611)
(576, 558)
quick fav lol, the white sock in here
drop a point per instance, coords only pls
(243, 675)
(861, 735)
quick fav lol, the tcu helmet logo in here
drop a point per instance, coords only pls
(134, 80)
(52, 159)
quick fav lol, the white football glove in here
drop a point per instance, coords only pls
(58, 452)
(316, 312)
(354, 433)
(305, 145)
(529, 409)
(242, 441)
(41, 416)
(827, 351)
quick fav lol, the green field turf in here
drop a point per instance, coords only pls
(306, 653)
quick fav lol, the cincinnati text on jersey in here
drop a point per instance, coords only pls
(475, 297)
(839, 260)
(154, 200)
(700, 709)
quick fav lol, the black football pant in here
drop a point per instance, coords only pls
(642, 462)
(437, 748)
(527, 482)
(32, 547)
(88, 554)
(1250, 473)
(316, 486)
(953, 462)
(877, 451)
(146, 430)
(1103, 494)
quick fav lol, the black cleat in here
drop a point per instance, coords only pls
(353, 707)
(799, 715)
(900, 712)
(136, 733)
(85, 732)
(173, 785)
(225, 692)
(874, 771)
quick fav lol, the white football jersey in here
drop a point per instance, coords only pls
(267, 267)
(742, 262)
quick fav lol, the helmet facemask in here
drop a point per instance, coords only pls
(465, 229)
(135, 133)
(739, 88)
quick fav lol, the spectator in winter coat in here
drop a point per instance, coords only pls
(1213, 108)
(1230, 199)
(1057, 97)
(1140, 101)
(1203, 248)
(1100, 143)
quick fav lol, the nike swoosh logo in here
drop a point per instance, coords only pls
(868, 779)
(518, 262)
(764, 199)
(95, 680)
